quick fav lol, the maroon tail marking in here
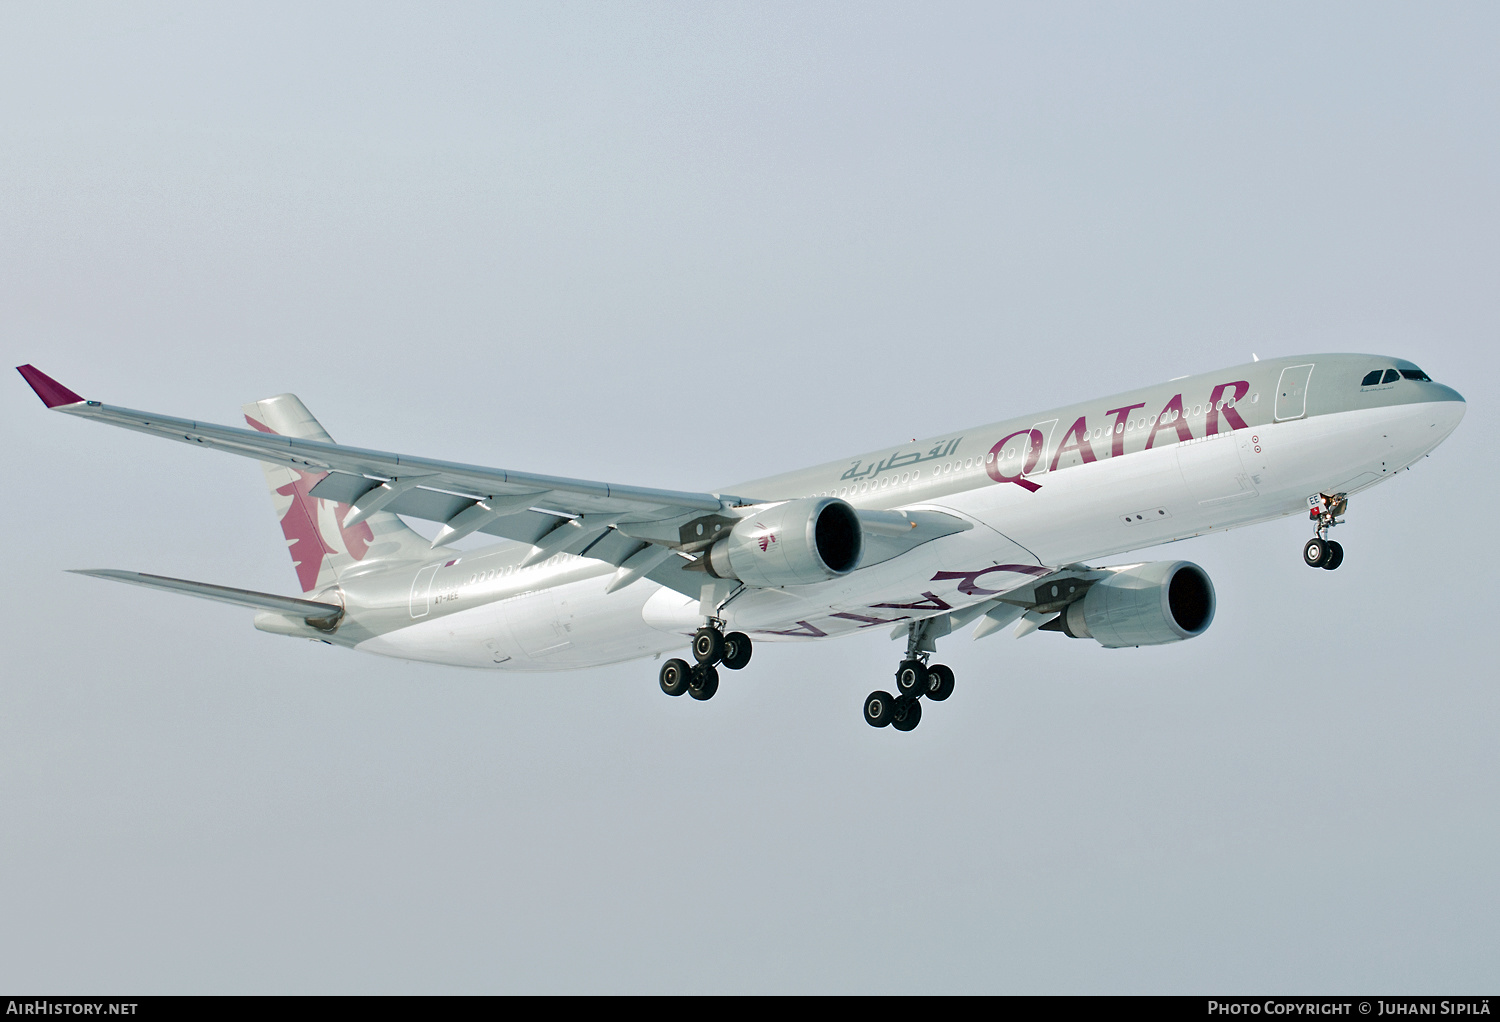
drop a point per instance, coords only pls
(300, 524)
(49, 390)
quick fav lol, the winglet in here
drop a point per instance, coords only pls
(49, 390)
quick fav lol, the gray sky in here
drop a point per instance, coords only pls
(683, 246)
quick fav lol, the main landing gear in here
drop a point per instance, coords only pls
(915, 679)
(711, 648)
(1320, 551)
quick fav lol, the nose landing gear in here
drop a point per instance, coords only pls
(1320, 551)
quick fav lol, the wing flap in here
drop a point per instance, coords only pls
(525, 526)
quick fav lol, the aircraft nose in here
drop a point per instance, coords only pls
(1447, 407)
(1445, 393)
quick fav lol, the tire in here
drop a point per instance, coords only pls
(1335, 555)
(703, 682)
(908, 716)
(939, 682)
(878, 707)
(737, 650)
(911, 678)
(674, 677)
(708, 646)
(1315, 553)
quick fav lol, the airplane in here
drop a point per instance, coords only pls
(990, 525)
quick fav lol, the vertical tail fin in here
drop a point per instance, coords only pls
(321, 548)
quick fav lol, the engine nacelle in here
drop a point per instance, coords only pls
(811, 539)
(1144, 605)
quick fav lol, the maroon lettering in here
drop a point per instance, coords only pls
(1033, 454)
(1117, 431)
(970, 585)
(1079, 433)
(1241, 388)
(929, 601)
(1178, 422)
(803, 629)
(868, 622)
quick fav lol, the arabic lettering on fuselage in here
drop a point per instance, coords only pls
(900, 459)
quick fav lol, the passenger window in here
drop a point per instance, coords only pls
(1416, 374)
(1371, 379)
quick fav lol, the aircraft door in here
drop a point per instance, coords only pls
(421, 590)
(1291, 392)
(1044, 430)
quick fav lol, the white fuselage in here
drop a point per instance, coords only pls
(1070, 509)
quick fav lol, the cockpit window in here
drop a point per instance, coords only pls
(1416, 374)
(1371, 379)
(1391, 376)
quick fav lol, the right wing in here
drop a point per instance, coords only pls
(643, 532)
(609, 522)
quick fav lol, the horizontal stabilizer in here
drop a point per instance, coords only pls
(311, 610)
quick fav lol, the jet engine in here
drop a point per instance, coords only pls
(1143, 605)
(811, 539)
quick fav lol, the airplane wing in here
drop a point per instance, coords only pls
(642, 532)
(554, 514)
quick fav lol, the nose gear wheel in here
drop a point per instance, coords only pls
(1320, 551)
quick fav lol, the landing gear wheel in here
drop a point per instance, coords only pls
(703, 682)
(736, 650)
(939, 682)
(878, 708)
(1335, 555)
(911, 678)
(674, 677)
(1315, 553)
(708, 646)
(907, 713)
